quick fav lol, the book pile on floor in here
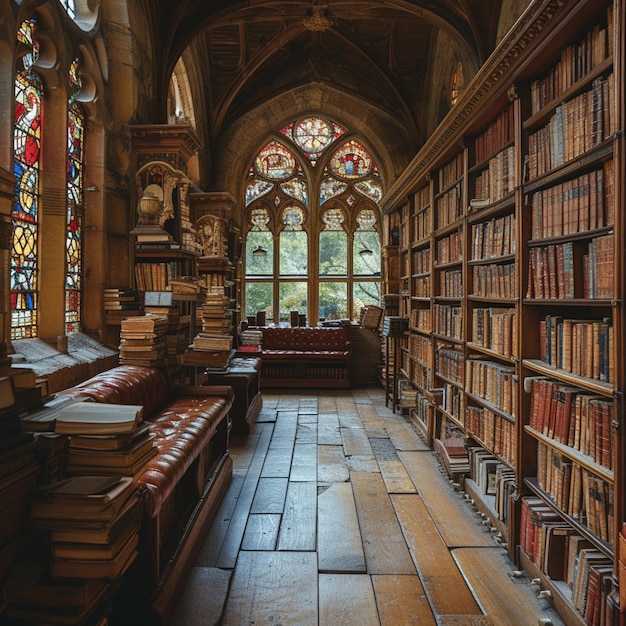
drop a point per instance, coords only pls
(120, 304)
(18, 475)
(142, 340)
(250, 340)
(91, 526)
(106, 439)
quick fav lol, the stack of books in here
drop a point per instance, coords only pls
(120, 304)
(142, 340)
(93, 525)
(18, 475)
(251, 340)
(106, 439)
(212, 350)
(370, 316)
(216, 314)
(33, 596)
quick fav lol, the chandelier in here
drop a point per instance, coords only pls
(317, 19)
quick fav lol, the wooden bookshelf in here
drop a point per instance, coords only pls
(511, 274)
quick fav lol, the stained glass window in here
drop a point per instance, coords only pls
(351, 161)
(275, 161)
(73, 242)
(26, 168)
(296, 236)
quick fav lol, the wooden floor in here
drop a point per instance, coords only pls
(338, 514)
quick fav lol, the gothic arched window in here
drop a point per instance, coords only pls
(312, 226)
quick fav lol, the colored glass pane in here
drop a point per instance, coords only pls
(331, 187)
(26, 37)
(259, 218)
(73, 242)
(351, 161)
(333, 219)
(257, 188)
(296, 188)
(26, 168)
(293, 217)
(275, 161)
(312, 134)
(370, 188)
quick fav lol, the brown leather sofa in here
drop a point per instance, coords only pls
(305, 356)
(184, 483)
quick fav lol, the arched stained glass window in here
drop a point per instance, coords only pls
(26, 168)
(73, 243)
(317, 257)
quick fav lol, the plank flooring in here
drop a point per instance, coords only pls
(338, 514)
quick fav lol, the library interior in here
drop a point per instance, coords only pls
(311, 312)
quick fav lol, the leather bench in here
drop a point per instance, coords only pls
(184, 483)
(305, 356)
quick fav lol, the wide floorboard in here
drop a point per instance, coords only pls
(338, 513)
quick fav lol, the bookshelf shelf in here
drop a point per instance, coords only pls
(588, 384)
(583, 460)
(603, 546)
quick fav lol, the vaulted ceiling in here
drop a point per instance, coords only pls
(373, 55)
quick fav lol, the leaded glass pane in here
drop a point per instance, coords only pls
(296, 188)
(312, 135)
(370, 188)
(70, 7)
(333, 253)
(260, 253)
(259, 297)
(73, 244)
(26, 167)
(293, 257)
(259, 218)
(333, 301)
(331, 187)
(333, 219)
(257, 188)
(293, 218)
(26, 36)
(292, 296)
(351, 161)
(275, 161)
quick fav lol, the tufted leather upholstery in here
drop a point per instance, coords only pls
(285, 342)
(183, 425)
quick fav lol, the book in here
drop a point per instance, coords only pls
(98, 532)
(109, 442)
(98, 418)
(120, 463)
(30, 583)
(121, 457)
(212, 341)
(90, 569)
(81, 498)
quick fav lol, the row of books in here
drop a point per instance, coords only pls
(498, 180)
(493, 238)
(574, 418)
(448, 320)
(450, 363)
(449, 207)
(420, 348)
(498, 134)
(580, 204)
(551, 272)
(495, 328)
(421, 261)
(451, 283)
(563, 554)
(492, 430)
(493, 382)
(582, 347)
(421, 319)
(575, 128)
(575, 63)
(450, 248)
(496, 280)
(585, 497)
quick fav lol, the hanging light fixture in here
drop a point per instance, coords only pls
(365, 251)
(317, 19)
(259, 252)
